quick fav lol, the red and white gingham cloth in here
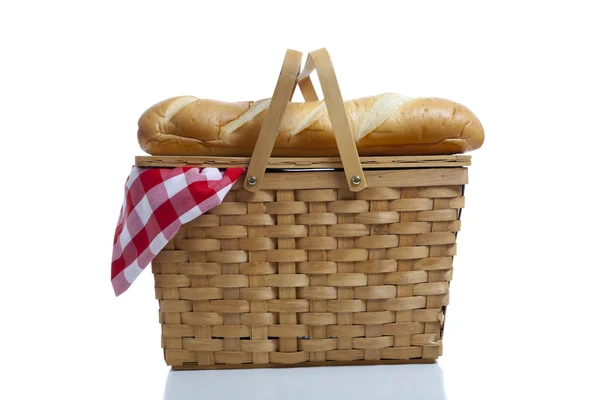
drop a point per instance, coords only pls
(157, 202)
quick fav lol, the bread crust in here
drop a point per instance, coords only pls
(387, 124)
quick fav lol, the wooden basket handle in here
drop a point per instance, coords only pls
(321, 61)
(284, 90)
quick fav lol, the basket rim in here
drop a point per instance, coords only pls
(392, 162)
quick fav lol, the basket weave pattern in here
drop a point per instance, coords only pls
(310, 276)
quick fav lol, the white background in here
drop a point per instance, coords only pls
(74, 78)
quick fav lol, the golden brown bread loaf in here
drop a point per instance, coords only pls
(387, 124)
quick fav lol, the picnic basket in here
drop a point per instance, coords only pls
(312, 261)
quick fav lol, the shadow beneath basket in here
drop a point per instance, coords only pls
(415, 381)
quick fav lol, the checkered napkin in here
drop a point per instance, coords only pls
(157, 202)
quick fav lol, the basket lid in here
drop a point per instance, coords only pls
(388, 162)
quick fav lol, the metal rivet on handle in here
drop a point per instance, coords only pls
(355, 180)
(251, 180)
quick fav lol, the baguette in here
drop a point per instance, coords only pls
(387, 124)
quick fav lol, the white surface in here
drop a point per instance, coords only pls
(523, 318)
(418, 381)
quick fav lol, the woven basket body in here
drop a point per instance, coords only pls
(306, 272)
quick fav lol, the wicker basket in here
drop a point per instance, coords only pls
(299, 268)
